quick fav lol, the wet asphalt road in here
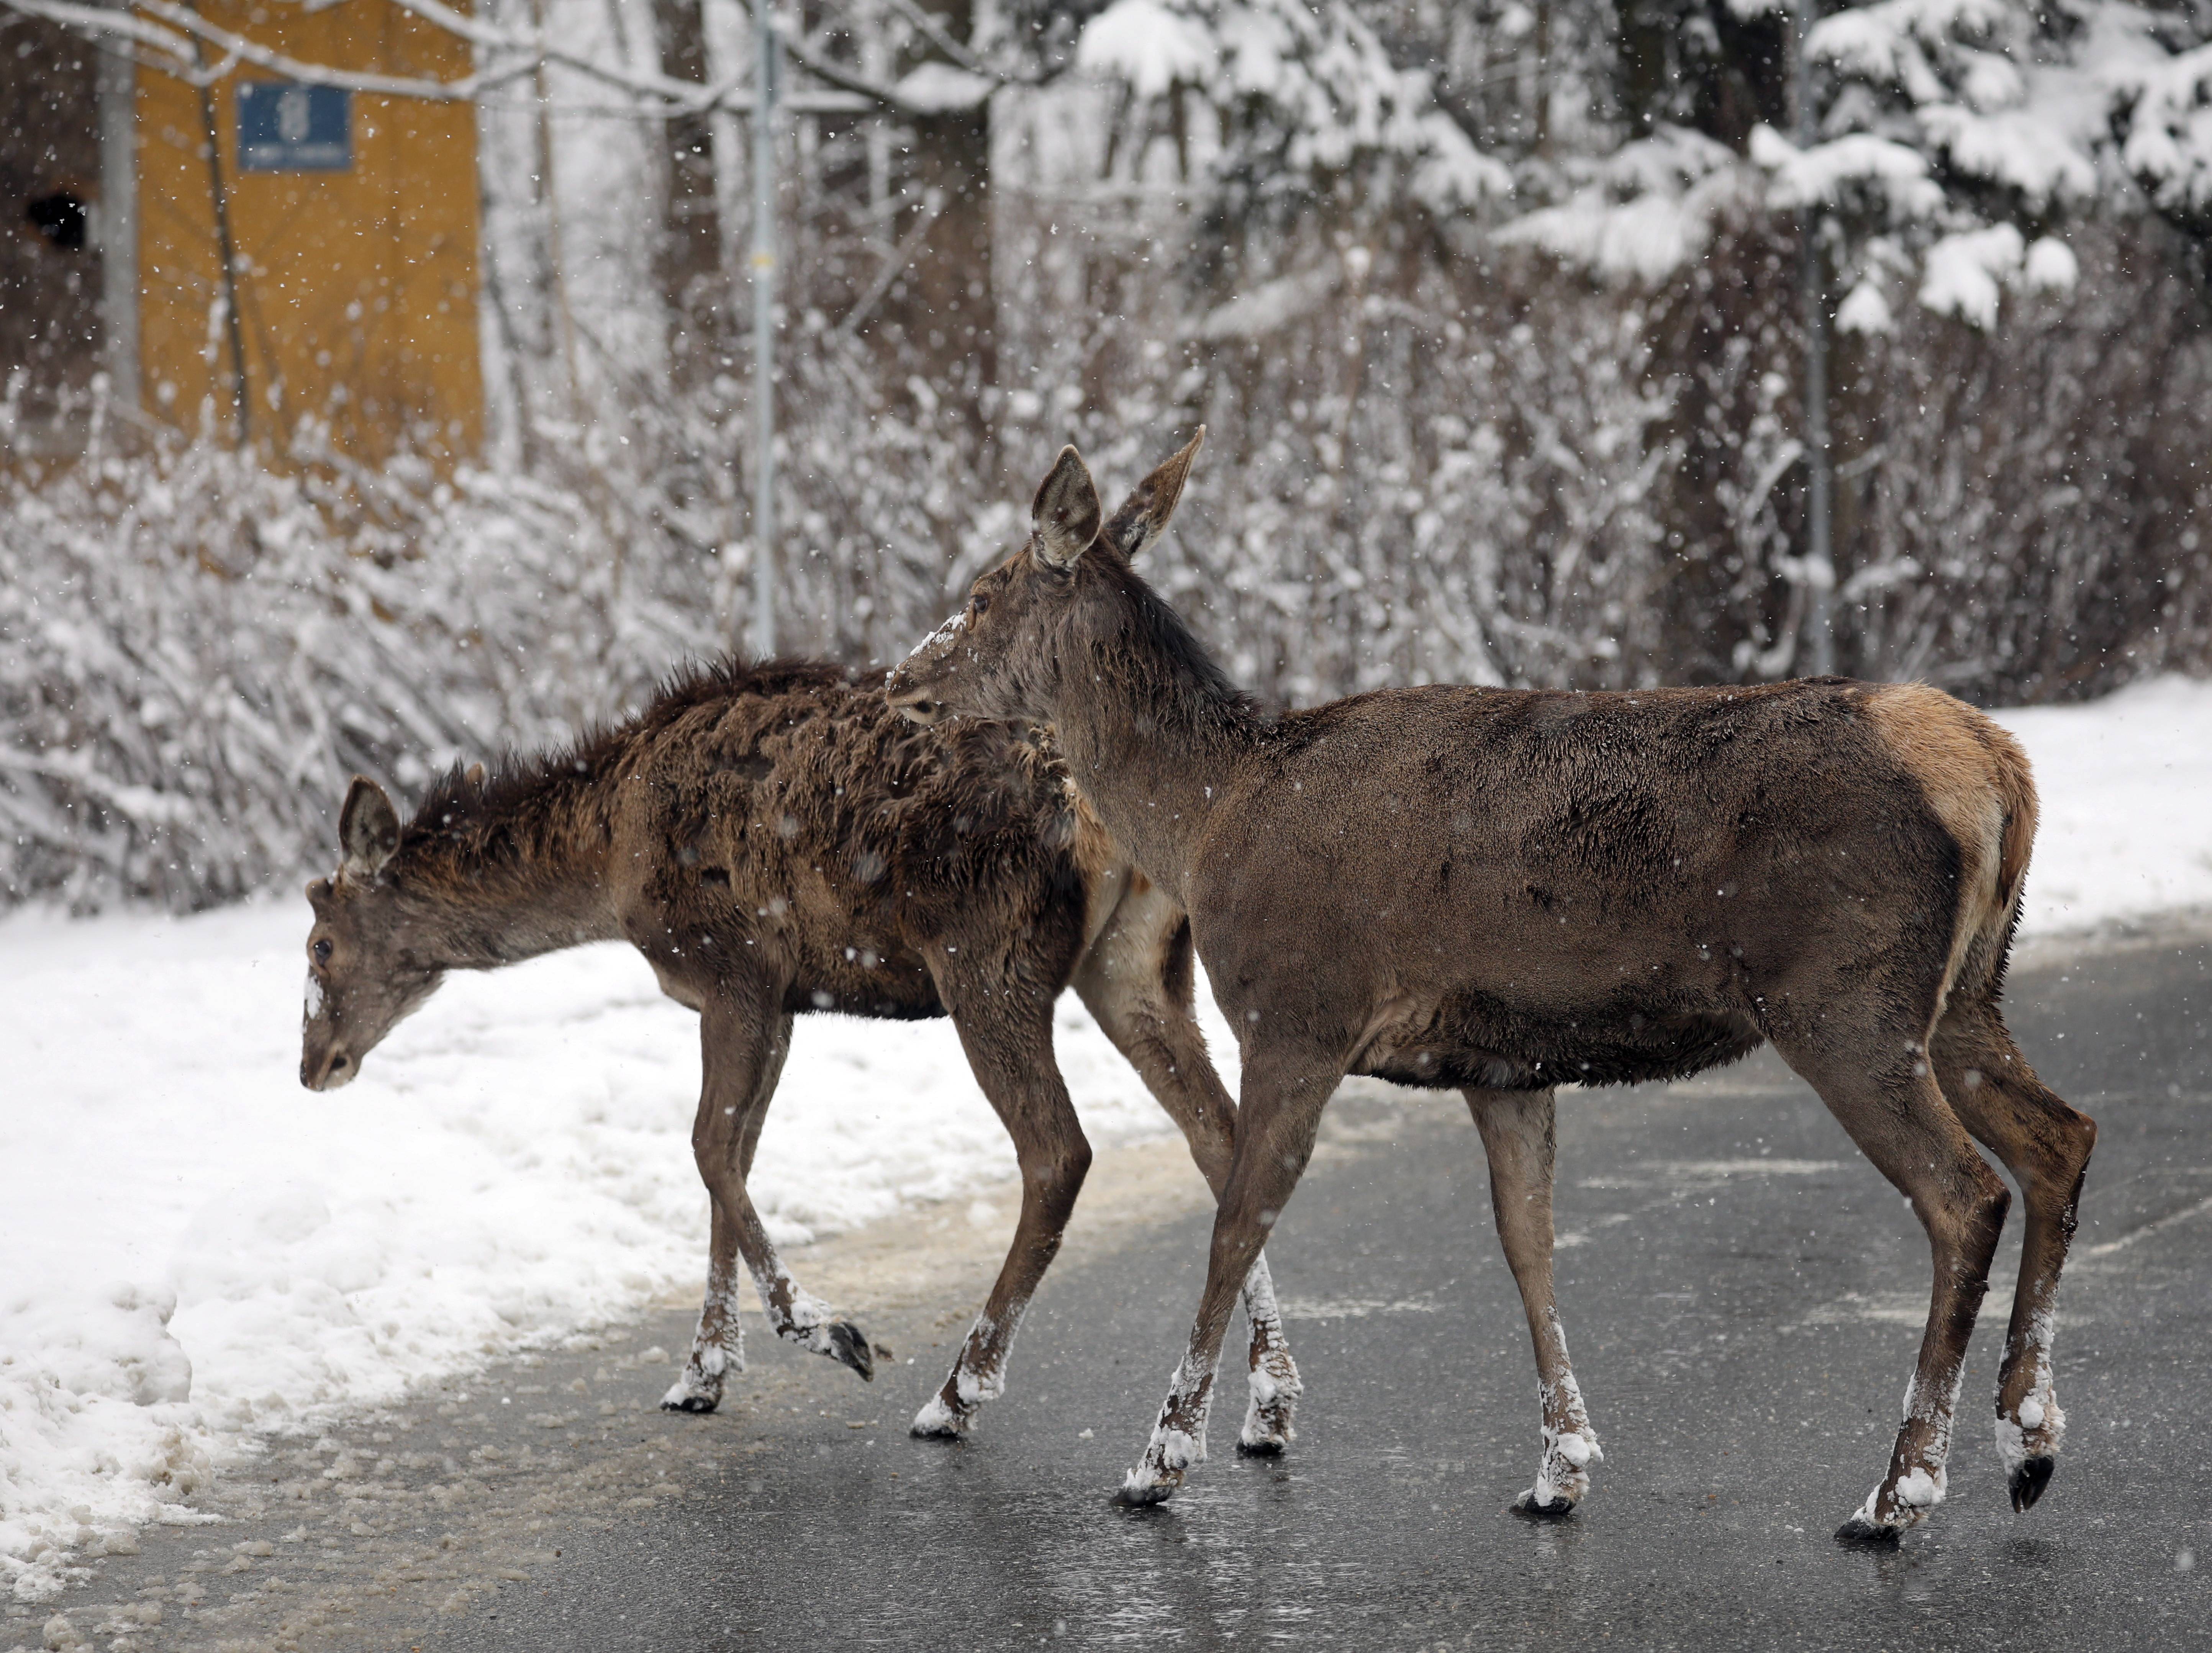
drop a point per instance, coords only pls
(1742, 1294)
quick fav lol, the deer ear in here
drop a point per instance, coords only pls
(1065, 513)
(475, 776)
(1144, 515)
(368, 829)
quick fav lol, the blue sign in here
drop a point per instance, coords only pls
(285, 127)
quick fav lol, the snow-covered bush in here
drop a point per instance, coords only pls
(199, 646)
(1495, 313)
(1585, 464)
(2030, 510)
(197, 649)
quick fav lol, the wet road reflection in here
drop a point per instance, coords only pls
(1742, 1305)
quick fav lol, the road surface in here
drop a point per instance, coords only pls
(1742, 1294)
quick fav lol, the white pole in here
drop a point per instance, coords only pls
(764, 96)
(119, 222)
(1819, 563)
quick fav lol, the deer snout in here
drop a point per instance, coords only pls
(915, 706)
(327, 1070)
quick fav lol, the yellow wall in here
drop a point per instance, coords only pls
(357, 288)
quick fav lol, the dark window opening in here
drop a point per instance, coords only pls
(61, 218)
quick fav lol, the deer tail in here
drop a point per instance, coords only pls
(2012, 782)
(1976, 779)
(2016, 790)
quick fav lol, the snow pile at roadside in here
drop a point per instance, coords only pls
(194, 1250)
(2126, 790)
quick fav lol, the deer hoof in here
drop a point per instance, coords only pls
(1143, 1486)
(937, 1421)
(848, 1346)
(1863, 1532)
(693, 1392)
(1168, 1457)
(1532, 1506)
(2029, 1477)
(1911, 1497)
(1267, 1432)
(1275, 1391)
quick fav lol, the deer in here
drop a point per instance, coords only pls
(776, 842)
(1502, 891)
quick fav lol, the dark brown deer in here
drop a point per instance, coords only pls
(1503, 890)
(775, 841)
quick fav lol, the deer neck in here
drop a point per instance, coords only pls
(1154, 735)
(510, 885)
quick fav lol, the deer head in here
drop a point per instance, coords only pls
(996, 658)
(363, 975)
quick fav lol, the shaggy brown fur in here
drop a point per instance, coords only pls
(775, 841)
(1500, 890)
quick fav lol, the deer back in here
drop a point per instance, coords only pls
(804, 823)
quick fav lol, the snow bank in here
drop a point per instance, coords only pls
(2126, 789)
(1148, 45)
(198, 1251)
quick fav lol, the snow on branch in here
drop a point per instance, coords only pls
(1271, 305)
(175, 45)
(1954, 141)
(1310, 85)
(1997, 93)
(1149, 46)
(1643, 211)
(1964, 272)
(2165, 110)
(1820, 176)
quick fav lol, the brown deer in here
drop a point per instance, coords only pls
(776, 841)
(1503, 890)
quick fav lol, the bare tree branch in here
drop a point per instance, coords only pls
(889, 97)
(656, 97)
(935, 32)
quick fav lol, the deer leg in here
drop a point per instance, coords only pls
(2046, 1146)
(744, 1036)
(1893, 1110)
(1277, 1121)
(1517, 1127)
(1008, 1037)
(1271, 1377)
(718, 1348)
(1152, 1026)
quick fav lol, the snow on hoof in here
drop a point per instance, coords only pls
(848, 1346)
(682, 1398)
(699, 1386)
(2028, 1445)
(937, 1421)
(1563, 1477)
(950, 1413)
(1167, 1461)
(2029, 1477)
(1275, 1391)
(1915, 1495)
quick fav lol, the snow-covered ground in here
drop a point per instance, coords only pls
(2126, 789)
(514, 1164)
(195, 1252)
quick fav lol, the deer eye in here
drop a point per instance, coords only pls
(322, 951)
(982, 604)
